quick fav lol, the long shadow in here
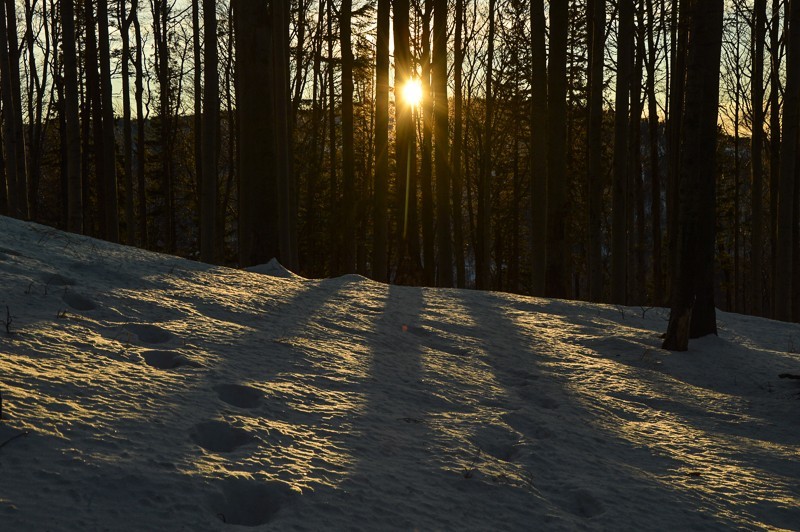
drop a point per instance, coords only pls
(576, 470)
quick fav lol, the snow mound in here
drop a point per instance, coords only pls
(274, 269)
(146, 392)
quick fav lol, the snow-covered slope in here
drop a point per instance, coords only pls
(145, 392)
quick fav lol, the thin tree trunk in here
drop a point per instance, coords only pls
(557, 204)
(441, 112)
(72, 119)
(198, 101)
(775, 145)
(109, 184)
(655, 171)
(458, 119)
(483, 259)
(619, 248)
(380, 222)
(210, 121)
(594, 140)
(426, 170)
(759, 36)
(539, 153)
(348, 203)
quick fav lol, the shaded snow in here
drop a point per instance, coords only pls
(165, 394)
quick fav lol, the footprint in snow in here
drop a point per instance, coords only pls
(149, 334)
(248, 502)
(238, 395)
(498, 442)
(161, 359)
(55, 279)
(584, 503)
(77, 301)
(220, 437)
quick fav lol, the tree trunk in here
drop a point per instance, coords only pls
(538, 158)
(140, 127)
(283, 136)
(258, 190)
(756, 153)
(788, 161)
(109, 184)
(441, 114)
(596, 24)
(693, 313)
(557, 207)
(655, 171)
(426, 170)
(458, 119)
(13, 166)
(619, 247)
(380, 223)
(348, 203)
(72, 120)
(483, 258)
(210, 123)
(774, 143)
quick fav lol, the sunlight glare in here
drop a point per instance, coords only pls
(412, 92)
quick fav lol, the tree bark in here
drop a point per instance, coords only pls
(210, 121)
(109, 158)
(557, 208)
(788, 161)
(693, 313)
(441, 115)
(380, 220)
(594, 142)
(619, 240)
(72, 120)
(538, 158)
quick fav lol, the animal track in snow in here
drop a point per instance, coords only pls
(77, 301)
(583, 503)
(239, 395)
(248, 502)
(56, 279)
(220, 437)
(149, 334)
(498, 442)
(161, 359)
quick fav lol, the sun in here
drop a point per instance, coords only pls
(412, 92)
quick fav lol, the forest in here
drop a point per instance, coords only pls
(633, 152)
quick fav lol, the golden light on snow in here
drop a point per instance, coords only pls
(412, 92)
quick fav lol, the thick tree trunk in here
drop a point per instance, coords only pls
(557, 275)
(348, 203)
(13, 166)
(258, 190)
(458, 120)
(788, 162)
(693, 313)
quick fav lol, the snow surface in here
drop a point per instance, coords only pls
(154, 393)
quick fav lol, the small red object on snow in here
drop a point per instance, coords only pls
(405, 328)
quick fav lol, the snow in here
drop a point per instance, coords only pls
(146, 392)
